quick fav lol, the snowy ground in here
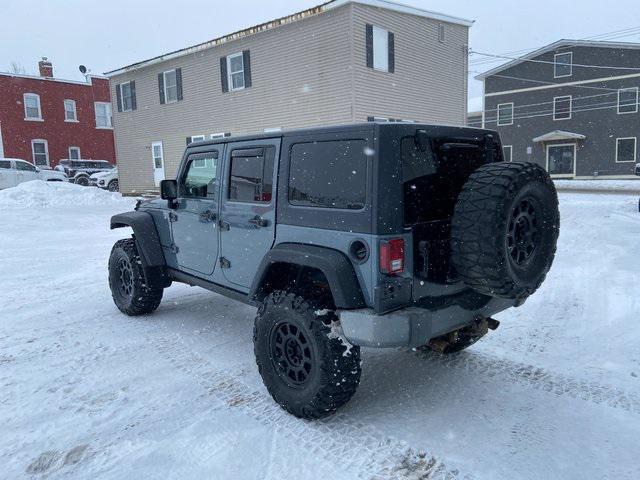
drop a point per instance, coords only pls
(613, 186)
(89, 393)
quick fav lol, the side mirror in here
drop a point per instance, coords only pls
(638, 169)
(169, 191)
(37, 169)
(422, 140)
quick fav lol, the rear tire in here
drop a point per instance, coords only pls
(306, 365)
(129, 289)
(505, 229)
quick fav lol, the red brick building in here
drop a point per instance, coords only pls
(44, 119)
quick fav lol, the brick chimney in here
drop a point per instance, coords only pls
(45, 67)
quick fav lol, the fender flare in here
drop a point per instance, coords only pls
(146, 235)
(335, 266)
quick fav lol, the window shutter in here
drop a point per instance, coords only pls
(188, 141)
(179, 83)
(224, 79)
(134, 103)
(118, 99)
(369, 119)
(369, 43)
(246, 59)
(392, 53)
(161, 87)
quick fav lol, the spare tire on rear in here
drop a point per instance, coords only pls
(505, 228)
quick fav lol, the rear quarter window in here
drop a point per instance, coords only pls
(330, 174)
(5, 164)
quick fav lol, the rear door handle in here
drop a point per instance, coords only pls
(208, 216)
(258, 221)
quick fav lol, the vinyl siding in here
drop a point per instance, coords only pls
(310, 72)
(300, 75)
(430, 79)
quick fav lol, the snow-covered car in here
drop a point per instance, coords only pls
(14, 171)
(79, 171)
(107, 180)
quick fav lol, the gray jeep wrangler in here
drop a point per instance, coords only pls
(366, 235)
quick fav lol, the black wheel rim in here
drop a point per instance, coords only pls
(125, 278)
(113, 186)
(291, 353)
(523, 232)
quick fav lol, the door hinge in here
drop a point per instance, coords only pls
(174, 248)
(224, 262)
(224, 226)
(173, 217)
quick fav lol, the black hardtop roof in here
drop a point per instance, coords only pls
(440, 130)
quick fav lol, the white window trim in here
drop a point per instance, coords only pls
(510, 148)
(122, 96)
(46, 150)
(385, 54)
(74, 148)
(164, 85)
(213, 136)
(24, 100)
(635, 149)
(555, 63)
(513, 114)
(575, 160)
(197, 138)
(636, 104)
(75, 111)
(380, 119)
(229, 73)
(570, 97)
(109, 116)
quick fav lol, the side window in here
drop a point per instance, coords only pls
(200, 179)
(251, 175)
(5, 164)
(25, 167)
(329, 174)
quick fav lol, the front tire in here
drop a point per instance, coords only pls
(129, 289)
(309, 369)
(113, 186)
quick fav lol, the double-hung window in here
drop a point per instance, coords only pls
(126, 96)
(74, 153)
(170, 86)
(505, 114)
(628, 100)
(235, 69)
(70, 114)
(40, 152)
(563, 65)
(32, 110)
(562, 107)
(103, 114)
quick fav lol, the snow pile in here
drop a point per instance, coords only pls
(38, 193)
(617, 186)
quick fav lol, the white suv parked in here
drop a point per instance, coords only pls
(14, 171)
(107, 180)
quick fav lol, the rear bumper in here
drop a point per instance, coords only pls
(412, 326)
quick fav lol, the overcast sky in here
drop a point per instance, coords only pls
(107, 35)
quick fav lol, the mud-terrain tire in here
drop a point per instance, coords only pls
(129, 289)
(505, 228)
(308, 367)
(113, 186)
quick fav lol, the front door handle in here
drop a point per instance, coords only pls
(258, 221)
(208, 216)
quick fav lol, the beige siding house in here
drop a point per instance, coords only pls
(342, 62)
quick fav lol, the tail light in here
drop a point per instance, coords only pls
(392, 256)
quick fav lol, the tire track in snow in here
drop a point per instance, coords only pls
(340, 439)
(537, 378)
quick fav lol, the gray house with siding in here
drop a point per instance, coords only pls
(571, 106)
(342, 62)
